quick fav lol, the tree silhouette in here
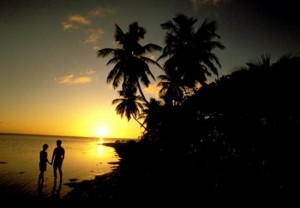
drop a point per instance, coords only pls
(153, 117)
(129, 105)
(171, 90)
(189, 53)
(130, 64)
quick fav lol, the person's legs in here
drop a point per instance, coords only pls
(55, 171)
(60, 172)
(41, 177)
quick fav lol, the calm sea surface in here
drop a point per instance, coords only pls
(19, 162)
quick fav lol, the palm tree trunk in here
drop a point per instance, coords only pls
(139, 122)
(142, 94)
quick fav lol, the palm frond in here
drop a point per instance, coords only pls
(105, 52)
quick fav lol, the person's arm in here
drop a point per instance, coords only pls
(53, 155)
(47, 158)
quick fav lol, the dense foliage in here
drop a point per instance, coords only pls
(237, 133)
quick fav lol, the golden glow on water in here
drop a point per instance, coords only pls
(100, 149)
(85, 158)
(100, 146)
(100, 140)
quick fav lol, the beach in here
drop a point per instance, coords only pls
(142, 179)
(85, 159)
(131, 182)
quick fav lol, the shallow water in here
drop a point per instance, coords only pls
(19, 163)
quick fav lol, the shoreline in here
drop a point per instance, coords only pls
(158, 179)
(19, 182)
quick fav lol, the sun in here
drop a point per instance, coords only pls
(102, 131)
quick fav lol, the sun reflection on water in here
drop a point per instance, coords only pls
(100, 149)
(100, 146)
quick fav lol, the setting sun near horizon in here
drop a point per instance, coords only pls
(83, 120)
(53, 83)
(102, 131)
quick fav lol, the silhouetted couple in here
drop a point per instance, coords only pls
(57, 160)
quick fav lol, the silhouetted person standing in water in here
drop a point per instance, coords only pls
(57, 159)
(43, 163)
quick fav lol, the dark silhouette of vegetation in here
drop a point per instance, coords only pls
(245, 124)
(131, 65)
(190, 57)
(235, 134)
(129, 104)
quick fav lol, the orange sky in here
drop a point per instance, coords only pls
(51, 81)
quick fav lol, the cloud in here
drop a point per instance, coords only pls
(92, 32)
(79, 19)
(68, 26)
(94, 36)
(198, 3)
(73, 80)
(75, 21)
(84, 77)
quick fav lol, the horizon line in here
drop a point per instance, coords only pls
(51, 135)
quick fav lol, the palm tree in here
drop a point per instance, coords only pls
(189, 52)
(129, 105)
(263, 64)
(171, 90)
(131, 66)
(153, 116)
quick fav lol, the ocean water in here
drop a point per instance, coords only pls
(85, 158)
